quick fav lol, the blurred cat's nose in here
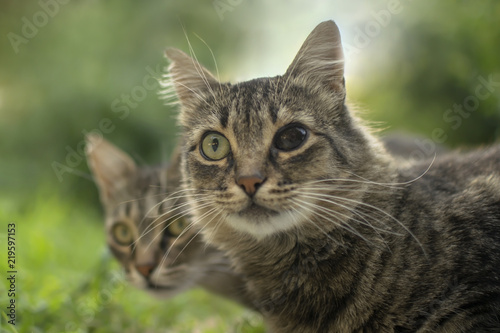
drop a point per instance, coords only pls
(145, 270)
(250, 184)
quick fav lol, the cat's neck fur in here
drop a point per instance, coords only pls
(345, 282)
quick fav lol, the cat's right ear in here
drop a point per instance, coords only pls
(190, 79)
(320, 60)
(111, 167)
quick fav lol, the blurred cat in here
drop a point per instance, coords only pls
(149, 235)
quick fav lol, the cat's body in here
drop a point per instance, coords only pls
(447, 281)
(142, 228)
(411, 147)
(331, 232)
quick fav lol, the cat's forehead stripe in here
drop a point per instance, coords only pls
(252, 110)
(224, 116)
(124, 209)
(145, 224)
(128, 208)
(273, 111)
(341, 156)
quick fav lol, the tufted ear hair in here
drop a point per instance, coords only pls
(320, 59)
(188, 77)
(111, 167)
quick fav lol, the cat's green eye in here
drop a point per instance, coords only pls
(290, 137)
(177, 226)
(122, 234)
(214, 146)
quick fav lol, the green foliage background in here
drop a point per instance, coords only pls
(64, 80)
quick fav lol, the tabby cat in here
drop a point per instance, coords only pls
(331, 233)
(146, 233)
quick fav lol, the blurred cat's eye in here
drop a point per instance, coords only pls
(290, 137)
(122, 234)
(214, 146)
(177, 226)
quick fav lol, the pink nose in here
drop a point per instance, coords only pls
(250, 184)
(145, 270)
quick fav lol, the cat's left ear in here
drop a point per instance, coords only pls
(112, 168)
(190, 79)
(320, 59)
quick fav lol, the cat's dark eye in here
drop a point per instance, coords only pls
(122, 234)
(290, 137)
(177, 226)
(214, 146)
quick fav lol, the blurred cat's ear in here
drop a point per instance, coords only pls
(320, 59)
(111, 167)
(189, 79)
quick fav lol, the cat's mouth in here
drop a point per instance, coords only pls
(257, 213)
(260, 221)
(153, 286)
(162, 292)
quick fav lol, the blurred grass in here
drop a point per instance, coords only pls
(68, 282)
(428, 61)
(92, 53)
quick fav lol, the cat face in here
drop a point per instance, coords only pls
(260, 151)
(138, 236)
(146, 233)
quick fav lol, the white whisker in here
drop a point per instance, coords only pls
(363, 204)
(314, 213)
(327, 198)
(189, 242)
(330, 213)
(180, 215)
(332, 181)
(208, 213)
(199, 69)
(208, 238)
(162, 215)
